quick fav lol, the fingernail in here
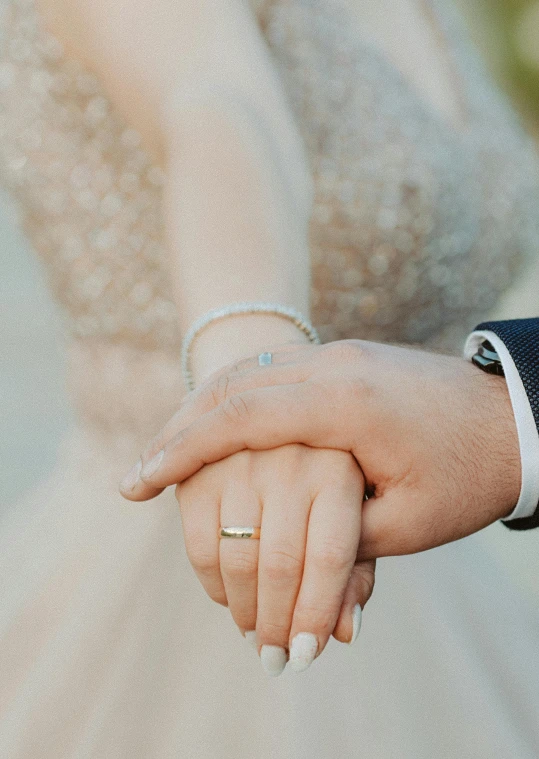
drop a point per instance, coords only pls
(302, 651)
(273, 659)
(356, 622)
(131, 478)
(250, 637)
(152, 465)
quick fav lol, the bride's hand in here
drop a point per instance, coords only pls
(300, 578)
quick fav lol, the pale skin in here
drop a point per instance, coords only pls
(435, 437)
(197, 81)
(435, 443)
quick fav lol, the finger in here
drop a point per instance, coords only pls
(206, 398)
(333, 538)
(200, 522)
(358, 591)
(240, 507)
(288, 366)
(283, 371)
(377, 531)
(257, 419)
(280, 354)
(282, 552)
(391, 527)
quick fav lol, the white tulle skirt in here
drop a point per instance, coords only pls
(109, 648)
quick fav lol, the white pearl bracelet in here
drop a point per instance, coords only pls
(240, 308)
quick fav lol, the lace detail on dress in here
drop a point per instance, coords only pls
(416, 230)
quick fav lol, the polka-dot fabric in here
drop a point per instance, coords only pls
(521, 338)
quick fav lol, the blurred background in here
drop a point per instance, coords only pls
(508, 32)
(33, 407)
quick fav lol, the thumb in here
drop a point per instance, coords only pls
(358, 591)
(260, 419)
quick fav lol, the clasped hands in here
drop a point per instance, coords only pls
(292, 447)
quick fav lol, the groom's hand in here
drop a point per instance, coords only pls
(434, 436)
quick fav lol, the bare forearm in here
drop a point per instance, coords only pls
(196, 79)
(237, 228)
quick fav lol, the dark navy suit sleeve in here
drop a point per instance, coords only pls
(521, 338)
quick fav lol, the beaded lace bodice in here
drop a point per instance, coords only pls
(417, 227)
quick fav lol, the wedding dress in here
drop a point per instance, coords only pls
(109, 648)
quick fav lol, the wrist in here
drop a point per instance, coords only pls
(240, 336)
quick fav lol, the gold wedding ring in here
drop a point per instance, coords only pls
(252, 533)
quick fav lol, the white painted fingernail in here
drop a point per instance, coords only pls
(131, 478)
(302, 651)
(250, 637)
(152, 465)
(273, 659)
(356, 622)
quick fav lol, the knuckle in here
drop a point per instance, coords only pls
(241, 365)
(240, 565)
(219, 389)
(203, 561)
(282, 565)
(331, 556)
(288, 462)
(235, 409)
(273, 629)
(342, 469)
(314, 618)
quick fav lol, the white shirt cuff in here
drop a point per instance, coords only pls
(528, 436)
